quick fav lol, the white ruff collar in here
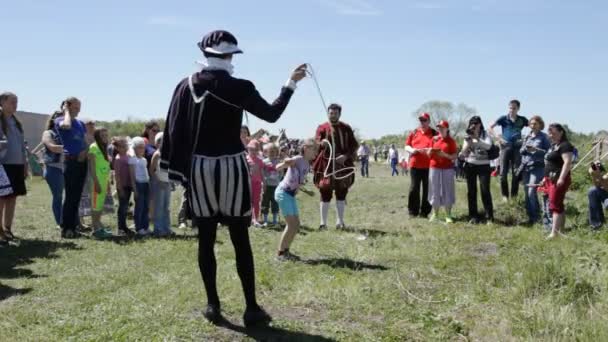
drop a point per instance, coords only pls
(213, 63)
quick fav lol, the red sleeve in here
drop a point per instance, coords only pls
(408, 141)
(320, 135)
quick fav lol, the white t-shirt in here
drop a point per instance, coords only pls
(141, 169)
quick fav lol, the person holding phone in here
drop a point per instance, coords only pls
(532, 169)
(476, 153)
(598, 195)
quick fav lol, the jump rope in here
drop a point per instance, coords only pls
(310, 71)
(350, 170)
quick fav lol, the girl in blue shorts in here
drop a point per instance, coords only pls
(285, 195)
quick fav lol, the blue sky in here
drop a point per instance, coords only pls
(379, 59)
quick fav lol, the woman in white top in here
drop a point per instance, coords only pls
(477, 154)
(161, 193)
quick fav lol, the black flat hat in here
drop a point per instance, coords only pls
(220, 43)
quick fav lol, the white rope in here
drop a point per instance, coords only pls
(580, 161)
(350, 170)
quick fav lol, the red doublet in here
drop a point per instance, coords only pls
(344, 144)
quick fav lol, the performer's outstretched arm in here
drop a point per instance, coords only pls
(256, 105)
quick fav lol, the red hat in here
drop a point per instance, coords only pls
(444, 124)
(425, 116)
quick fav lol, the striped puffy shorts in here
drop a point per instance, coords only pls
(220, 187)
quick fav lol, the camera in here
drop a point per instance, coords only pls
(597, 166)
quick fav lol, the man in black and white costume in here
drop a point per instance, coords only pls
(203, 150)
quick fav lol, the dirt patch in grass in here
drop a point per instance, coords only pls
(485, 249)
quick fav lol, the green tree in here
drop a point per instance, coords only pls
(457, 115)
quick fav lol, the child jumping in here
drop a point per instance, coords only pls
(297, 169)
(99, 169)
(272, 178)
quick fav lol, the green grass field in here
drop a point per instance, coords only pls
(392, 279)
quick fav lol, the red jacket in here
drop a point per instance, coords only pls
(420, 139)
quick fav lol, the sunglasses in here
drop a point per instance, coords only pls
(424, 120)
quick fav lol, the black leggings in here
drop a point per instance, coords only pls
(239, 234)
(473, 172)
(419, 180)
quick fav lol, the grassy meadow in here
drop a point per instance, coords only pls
(390, 279)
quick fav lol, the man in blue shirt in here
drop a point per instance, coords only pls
(510, 142)
(72, 133)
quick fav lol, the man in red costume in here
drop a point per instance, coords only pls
(342, 139)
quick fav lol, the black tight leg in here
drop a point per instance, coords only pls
(239, 234)
(207, 232)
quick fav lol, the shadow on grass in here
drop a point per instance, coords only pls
(12, 257)
(281, 227)
(272, 333)
(125, 240)
(345, 263)
(7, 292)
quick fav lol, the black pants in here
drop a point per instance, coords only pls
(74, 176)
(472, 172)
(510, 158)
(239, 234)
(419, 178)
(123, 207)
(268, 201)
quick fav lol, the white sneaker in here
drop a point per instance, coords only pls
(182, 226)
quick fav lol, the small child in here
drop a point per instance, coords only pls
(162, 193)
(403, 165)
(297, 169)
(140, 181)
(543, 191)
(272, 178)
(122, 179)
(99, 169)
(256, 165)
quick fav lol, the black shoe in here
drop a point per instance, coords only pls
(340, 226)
(322, 227)
(213, 313)
(474, 220)
(4, 242)
(256, 318)
(288, 256)
(126, 232)
(70, 234)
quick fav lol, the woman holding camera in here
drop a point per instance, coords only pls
(532, 169)
(558, 163)
(475, 151)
